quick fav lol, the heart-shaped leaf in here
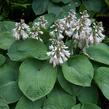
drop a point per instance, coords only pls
(23, 49)
(36, 78)
(58, 99)
(78, 70)
(67, 86)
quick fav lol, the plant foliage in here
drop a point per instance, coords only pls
(45, 66)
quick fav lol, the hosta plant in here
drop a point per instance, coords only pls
(55, 62)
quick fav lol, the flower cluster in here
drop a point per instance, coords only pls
(87, 31)
(36, 30)
(58, 53)
(82, 30)
(23, 31)
(97, 34)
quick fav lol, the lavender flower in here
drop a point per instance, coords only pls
(37, 27)
(58, 53)
(83, 31)
(97, 35)
(21, 30)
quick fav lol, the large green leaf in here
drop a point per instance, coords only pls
(94, 5)
(6, 26)
(36, 78)
(99, 53)
(54, 9)
(8, 72)
(3, 104)
(40, 6)
(8, 87)
(58, 99)
(24, 103)
(88, 95)
(86, 106)
(2, 59)
(10, 92)
(67, 86)
(102, 80)
(23, 49)
(6, 39)
(78, 70)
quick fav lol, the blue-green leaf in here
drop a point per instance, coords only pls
(6, 39)
(40, 6)
(99, 53)
(94, 5)
(58, 99)
(88, 95)
(54, 9)
(36, 78)
(78, 70)
(10, 92)
(23, 49)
